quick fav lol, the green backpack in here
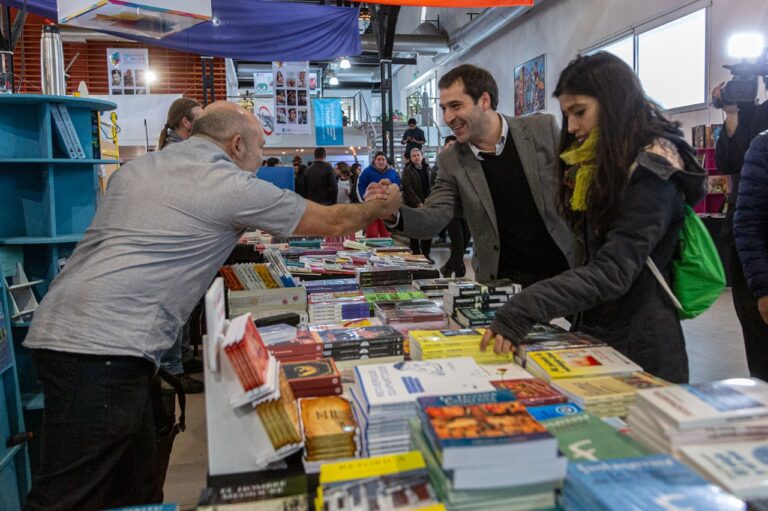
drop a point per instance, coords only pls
(698, 274)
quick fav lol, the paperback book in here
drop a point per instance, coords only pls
(580, 362)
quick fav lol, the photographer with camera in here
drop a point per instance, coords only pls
(745, 118)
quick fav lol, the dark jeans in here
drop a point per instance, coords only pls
(421, 246)
(752, 326)
(98, 433)
(458, 232)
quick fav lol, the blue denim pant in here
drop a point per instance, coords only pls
(181, 351)
(98, 433)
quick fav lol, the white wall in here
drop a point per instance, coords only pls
(561, 28)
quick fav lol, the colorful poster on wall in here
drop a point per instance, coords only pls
(128, 70)
(530, 86)
(314, 87)
(263, 109)
(291, 84)
(262, 84)
(329, 128)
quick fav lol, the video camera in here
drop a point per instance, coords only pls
(742, 88)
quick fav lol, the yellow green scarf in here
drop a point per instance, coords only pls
(579, 177)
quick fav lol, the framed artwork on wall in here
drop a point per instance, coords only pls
(530, 86)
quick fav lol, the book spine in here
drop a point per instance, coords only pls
(62, 133)
(71, 130)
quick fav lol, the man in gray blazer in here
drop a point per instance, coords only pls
(503, 173)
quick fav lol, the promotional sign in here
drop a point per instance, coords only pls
(329, 128)
(263, 109)
(291, 84)
(127, 71)
(262, 84)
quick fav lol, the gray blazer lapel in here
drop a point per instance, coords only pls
(527, 153)
(474, 173)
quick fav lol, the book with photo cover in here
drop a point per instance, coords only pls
(357, 337)
(532, 391)
(578, 362)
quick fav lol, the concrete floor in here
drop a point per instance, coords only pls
(715, 350)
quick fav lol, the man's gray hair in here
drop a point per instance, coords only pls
(221, 124)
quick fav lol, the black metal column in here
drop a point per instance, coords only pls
(9, 36)
(387, 110)
(384, 23)
(208, 88)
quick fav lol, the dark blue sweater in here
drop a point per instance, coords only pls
(750, 222)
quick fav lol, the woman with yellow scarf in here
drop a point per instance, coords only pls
(626, 175)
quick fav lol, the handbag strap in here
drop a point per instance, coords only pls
(663, 282)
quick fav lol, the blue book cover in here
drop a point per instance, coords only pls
(494, 396)
(649, 483)
(546, 412)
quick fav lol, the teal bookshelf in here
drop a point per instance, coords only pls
(48, 200)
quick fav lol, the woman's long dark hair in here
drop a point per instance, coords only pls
(628, 121)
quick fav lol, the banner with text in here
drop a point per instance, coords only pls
(127, 69)
(329, 129)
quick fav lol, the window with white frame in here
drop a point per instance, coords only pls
(670, 60)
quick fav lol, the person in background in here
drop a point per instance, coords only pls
(413, 138)
(320, 180)
(374, 173)
(743, 122)
(344, 184)
(180, 360)
(299, 182)
(178, 125)
(355, 171)
(273, 162)
(167, 223)
(626, 174)
(750, 230)
(457, 229)
(416, 188)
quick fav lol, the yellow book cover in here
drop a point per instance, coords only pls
(438, 339)
(370, 467)
(327, 416)
(595, 390)
(594, 361)
(266, 277)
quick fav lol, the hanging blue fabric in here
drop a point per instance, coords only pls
(255, 30)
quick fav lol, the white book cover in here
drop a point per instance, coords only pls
(504, 372)
(403, 382)
(741, 467)
(703, 405)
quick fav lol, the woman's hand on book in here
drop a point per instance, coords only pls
(500, 343)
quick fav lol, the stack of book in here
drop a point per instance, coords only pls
(474, 436)
(329, 429)
(337, 306)
(300, 347)
(474, 317)
(398, 481)
(497, 292)
(667, 418)
(366, 344)
(579, 362)
(739, 468)
(551, 339)
(656, 482)
(462, 293)
(430, 344)
(373, 277)
(434, 288)
(250, 276)
(607, 396)
(410, 315)
(280, 418)
(330, 286)
(391, 294)
(584, 437)
(313, 378)
(385, 395)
